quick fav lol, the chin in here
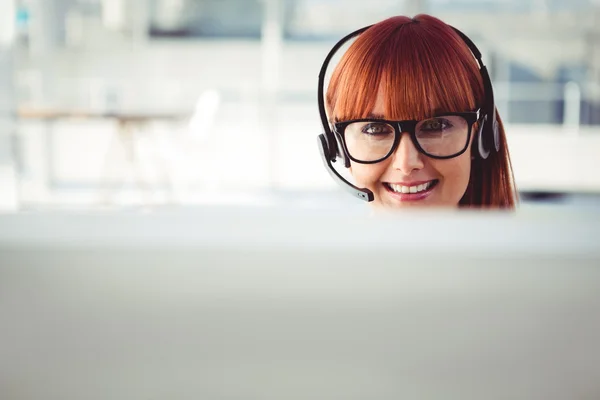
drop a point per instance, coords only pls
(407, 205)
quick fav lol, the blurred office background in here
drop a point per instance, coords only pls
(110, 103)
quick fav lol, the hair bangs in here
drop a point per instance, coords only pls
(354, 86)
(420, 66)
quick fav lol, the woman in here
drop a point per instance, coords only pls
(410, 112)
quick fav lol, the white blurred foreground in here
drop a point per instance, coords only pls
(269, 303)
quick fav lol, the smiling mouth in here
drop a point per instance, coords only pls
(416, 189)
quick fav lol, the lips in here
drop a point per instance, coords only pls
(412, 191)
(407, 188)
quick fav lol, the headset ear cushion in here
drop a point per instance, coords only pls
(331, 149)
(496, 135)
(481, 139)
(340, 150)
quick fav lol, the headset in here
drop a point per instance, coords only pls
(488, 136)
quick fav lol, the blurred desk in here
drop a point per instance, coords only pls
(121, 116)
(128, 123)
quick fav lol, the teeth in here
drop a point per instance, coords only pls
(410, 189)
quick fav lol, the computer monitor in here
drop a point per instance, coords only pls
(273, 303)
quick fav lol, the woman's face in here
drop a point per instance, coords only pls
(437, 183)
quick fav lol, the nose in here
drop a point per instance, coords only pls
(407, 158)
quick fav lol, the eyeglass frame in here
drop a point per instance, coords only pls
(409, 126)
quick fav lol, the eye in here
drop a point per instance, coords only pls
(375, 128)
(436, 124)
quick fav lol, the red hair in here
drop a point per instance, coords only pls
(423, 68)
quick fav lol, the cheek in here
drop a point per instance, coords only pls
(367, 174)
(456, 173)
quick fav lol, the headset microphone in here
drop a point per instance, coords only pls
(363, 194)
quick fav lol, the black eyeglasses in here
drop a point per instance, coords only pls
(368, 141)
